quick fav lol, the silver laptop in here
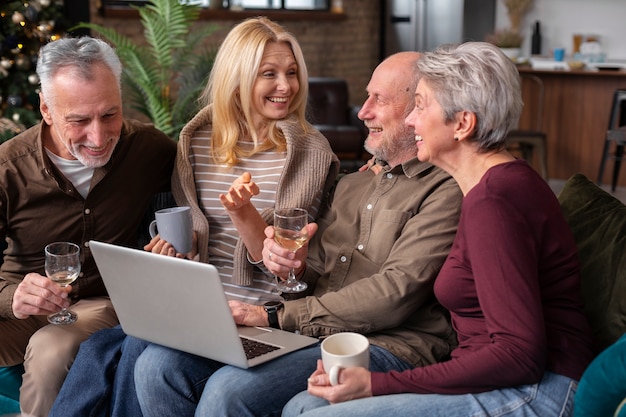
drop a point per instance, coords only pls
(181, 304)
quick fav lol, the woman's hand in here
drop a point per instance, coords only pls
(371, 166)
(245, 217)
(240, 193)
(163, 247)
(279, 260)
(353, 383)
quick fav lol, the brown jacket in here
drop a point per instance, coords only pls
(38, 205)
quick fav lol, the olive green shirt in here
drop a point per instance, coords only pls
(374, 260)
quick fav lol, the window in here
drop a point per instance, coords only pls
(303, 10)
(241, 4)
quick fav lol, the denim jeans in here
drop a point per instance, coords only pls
(174, 383)
(100, 383)
(551, 397)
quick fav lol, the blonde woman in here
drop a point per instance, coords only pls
(248, 151)
(253, 123)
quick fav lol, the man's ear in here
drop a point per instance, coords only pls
(44, 109)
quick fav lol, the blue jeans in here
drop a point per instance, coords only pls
(100, 382)
(552, 397)
(173, 383)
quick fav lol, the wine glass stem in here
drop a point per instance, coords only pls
(292, 275)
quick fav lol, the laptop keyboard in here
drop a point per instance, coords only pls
(254, 348)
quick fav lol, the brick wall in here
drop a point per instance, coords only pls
(347, 49)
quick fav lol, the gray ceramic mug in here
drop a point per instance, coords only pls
(174, 226)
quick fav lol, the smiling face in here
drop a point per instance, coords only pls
(276, 84)
(84, 116)
(433, 136)
(383, 113)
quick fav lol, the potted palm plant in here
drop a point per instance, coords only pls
(164, 77)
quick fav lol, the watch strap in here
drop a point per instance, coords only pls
(271, 308)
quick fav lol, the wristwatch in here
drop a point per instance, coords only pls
(271, 308)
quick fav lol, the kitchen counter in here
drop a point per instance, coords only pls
(592, 72)
(577, 104)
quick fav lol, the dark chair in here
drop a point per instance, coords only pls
(615, 134)
(526, 141)
(330, 112)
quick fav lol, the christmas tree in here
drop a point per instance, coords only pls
(25, 26)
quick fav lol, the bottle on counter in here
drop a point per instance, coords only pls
(535, 41)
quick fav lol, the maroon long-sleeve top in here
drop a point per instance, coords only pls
(512, 285)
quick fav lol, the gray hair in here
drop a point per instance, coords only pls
(476, 77)
(78, 53)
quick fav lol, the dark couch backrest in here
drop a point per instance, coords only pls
(328, 101)
(598, 221)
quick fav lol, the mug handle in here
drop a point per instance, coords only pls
(152, 228)
(333, 375)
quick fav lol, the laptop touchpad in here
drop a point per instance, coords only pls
(253, 331)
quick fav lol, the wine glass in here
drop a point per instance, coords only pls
(291, 233)
(62, 267)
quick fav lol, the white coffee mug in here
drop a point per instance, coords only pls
(344, 350)
(174, 226)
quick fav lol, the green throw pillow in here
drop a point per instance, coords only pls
(598, 221)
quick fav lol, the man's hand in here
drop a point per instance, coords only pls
(248, 314)
(240, 193)
(38, 295)
(353, 383)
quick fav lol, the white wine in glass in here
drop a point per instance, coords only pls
(291, 233)
(62, 267)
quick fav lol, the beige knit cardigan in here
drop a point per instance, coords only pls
(310, 171)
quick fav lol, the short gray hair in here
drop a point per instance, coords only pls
(476, 77)
(78, 53)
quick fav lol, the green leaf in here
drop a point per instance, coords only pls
(163, 77)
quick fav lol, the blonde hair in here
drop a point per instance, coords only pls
(231, 83)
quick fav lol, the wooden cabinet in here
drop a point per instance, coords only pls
(576, 112)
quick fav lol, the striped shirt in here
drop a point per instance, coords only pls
(213, 179)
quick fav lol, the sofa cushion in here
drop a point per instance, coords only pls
(602, 388)
(8, 406)
(598, 221)
(10, 381)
